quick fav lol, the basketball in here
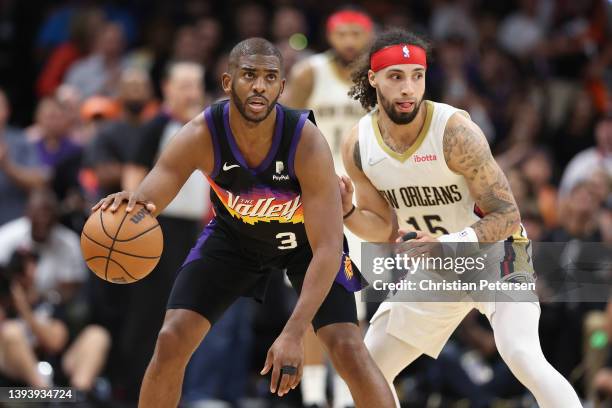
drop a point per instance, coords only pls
(122, 247)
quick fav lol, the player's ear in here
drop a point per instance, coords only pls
(372, 78)
(282, 86)
(226, 82)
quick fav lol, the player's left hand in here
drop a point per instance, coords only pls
(423, 244)
(287, 350)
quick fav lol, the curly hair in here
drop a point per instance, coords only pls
(361, 90)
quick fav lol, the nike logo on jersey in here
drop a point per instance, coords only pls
(226, 167)
(372, 162)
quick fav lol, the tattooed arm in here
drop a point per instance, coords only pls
(467, 152)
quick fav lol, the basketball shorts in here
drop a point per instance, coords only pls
(219, 269)
(427, 325)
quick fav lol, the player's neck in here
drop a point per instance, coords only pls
(407, 133)
(250, 132)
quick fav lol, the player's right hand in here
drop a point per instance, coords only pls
(115, 200)
(346, 191)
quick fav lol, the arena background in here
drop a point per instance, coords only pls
(535, 75)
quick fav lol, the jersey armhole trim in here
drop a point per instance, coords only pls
(215, 142)
(297, 135)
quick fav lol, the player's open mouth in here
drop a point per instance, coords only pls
(257, 105)
(405, 106)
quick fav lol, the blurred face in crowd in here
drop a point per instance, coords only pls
(603, 134)
(134, 90)
(251, 21)
(110, 41)
(538, 169)
(399, 90)
(583, 200)
(186, 45)
(42, 213)
(287, 21)
(209, 34)
(183, 90)
(254, 85)
(349, 41)
(52, 119)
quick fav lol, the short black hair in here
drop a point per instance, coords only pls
(253, 46)
(361, 89)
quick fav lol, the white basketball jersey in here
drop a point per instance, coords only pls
(418, 184)
(335, 112)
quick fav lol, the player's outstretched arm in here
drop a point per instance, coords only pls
(467, 152)
(300, 85)
(190, 149)
(372, 219)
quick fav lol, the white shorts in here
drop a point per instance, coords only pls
(427, 326)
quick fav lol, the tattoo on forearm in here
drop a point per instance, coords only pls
(357, 155)
(467, 152)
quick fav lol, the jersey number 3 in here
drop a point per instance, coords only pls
(288, 240)
(429, 219)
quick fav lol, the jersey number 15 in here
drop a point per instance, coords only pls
(429, 220)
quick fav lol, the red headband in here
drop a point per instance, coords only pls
(349, 17)
(397, 55)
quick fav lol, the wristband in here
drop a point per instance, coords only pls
(348, 214)
(466, 235)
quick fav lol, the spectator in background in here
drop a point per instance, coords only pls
(180, 221)
(19, 170)
(113, 146)
(54, 148)
(250, 21)
(99, 72)
(523, 31)
(31, 325)
(83, 25)
(450, 18)
(60, 266)
(35, 329)
(576, 131)
(537, 169)
(585, 163)
(210, 33)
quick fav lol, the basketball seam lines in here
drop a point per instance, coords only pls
(136, 236)
(104, 229)
(121, 266)
(110, 251)
(118, 251)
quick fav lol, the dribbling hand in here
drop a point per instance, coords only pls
(115, 200)
(287, 353)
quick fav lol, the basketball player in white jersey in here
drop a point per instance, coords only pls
(412, 150)
(321, 83)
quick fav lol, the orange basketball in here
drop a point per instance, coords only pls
(122, 247)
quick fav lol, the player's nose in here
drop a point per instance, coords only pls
(259, 85)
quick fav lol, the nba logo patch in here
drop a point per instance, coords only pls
(279, 167)
(406, 51)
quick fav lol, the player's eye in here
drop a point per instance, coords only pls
(249, 75)
(271, 77)
(395, 76)
(419, 75)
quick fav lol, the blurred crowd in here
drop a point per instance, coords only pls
(92, 90)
